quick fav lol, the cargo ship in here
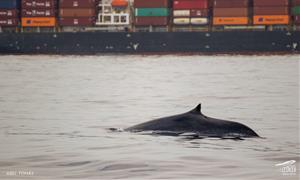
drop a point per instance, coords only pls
(149, 26)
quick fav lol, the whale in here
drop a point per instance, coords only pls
(195, 123)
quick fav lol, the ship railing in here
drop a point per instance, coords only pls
(113, 19)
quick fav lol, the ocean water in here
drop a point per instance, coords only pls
(55, 112)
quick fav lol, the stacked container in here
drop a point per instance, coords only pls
(77, 12)
(190, 12)
(296, 11)
(9, 13)
(270, 12)
(231, 12)
(151, 13)
(39, 13)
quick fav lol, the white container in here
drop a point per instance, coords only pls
(181, 13)
(199, 21)
(181, 21)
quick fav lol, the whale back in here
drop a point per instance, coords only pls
(194, 121)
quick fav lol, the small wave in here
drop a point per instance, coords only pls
(79, 163)
(114, 167)
(193, 135)
(115, 129)
(6, 164)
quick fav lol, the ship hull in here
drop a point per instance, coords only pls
(150, 42)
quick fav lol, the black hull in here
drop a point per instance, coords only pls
(240, 42)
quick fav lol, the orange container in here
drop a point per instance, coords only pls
(230, 21)
(38, 21)
(270, 20)
(119, 3)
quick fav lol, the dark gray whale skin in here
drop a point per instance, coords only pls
(195, 122)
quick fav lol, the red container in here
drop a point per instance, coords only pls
(80, 21)
(6, 22)
(38, 4)
(297, 20)
(77, 3)
(199, 13)
(230, 12)
(230, 3)
(278, 10)
(154, 21)
(151, 3)
(38, 13)
(264, 3)
(77, 12)
(295, 2)
(190, 4)
(8, 13)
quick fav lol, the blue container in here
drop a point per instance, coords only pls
(9, 4)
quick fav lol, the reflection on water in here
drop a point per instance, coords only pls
(56, 111)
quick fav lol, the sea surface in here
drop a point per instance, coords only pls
(55, 112)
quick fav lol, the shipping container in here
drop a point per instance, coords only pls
(295, 2)
(230, 3)
(263, 3)
(78, 21)
(77, 3)
(38, 13)
(151, 3)
(153, 21)
(77, 12)
(297, 20)
(199, 12)
(199, 21)
(230, 21)
(38, 4)
(151, 12)
(271, 20)
(296, 10)
(38, 21)
(181, 13)
(5, 22)
(230, 12)
(278, 10)
(9, 4)
(181, 21)
(8, 13)
(190, 4)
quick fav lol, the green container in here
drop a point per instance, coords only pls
(152, 12)
(296, 10)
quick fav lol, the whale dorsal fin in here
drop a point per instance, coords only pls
(197, 109)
